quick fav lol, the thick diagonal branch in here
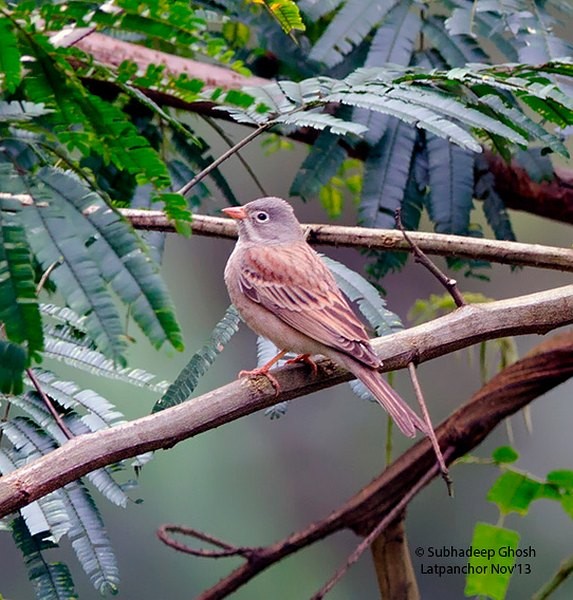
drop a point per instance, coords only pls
(534, 313)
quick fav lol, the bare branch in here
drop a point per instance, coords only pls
(450, 284)
(508, 253)
(550, 198)
(380, 527)
(112, 52)
(535, 313)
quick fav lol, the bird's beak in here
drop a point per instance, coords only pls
(235, 212)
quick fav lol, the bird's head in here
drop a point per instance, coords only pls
(268, 221)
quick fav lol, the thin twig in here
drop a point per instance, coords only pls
(45, 276)
(49, 404)
(391, 516)
(212, 166)
(431, 432)
(565, 570)
(496, 251)
(163, 533)
(450, 284)
(212, 123)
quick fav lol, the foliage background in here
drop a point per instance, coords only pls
(255, 480)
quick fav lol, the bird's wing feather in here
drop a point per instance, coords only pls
(297, 287)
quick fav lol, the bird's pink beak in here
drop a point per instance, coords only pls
(235, 212)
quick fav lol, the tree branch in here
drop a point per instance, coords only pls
(535, 313)
(509, 253)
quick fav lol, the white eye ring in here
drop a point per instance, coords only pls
(262, 216)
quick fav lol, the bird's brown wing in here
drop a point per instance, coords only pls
(295, 285)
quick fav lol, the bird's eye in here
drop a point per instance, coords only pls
(262, 216)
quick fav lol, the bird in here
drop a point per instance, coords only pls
(284, 292)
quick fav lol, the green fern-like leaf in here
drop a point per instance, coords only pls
(10, 67)
(348, 28)
(286, 13)
(386, 174)
(51, 581)
(393, 43)
(317, 120)
(100, 413)
(18, 304)
(29, 441)
(493, 206)
(90, 540)
(91, 246)
(200, 362)
(414, 199)
(77, 355)
(457, 50)
(85, 122)
(323, 161)
(451, 186)
(13, 361)
(120, 254)
(54, 240)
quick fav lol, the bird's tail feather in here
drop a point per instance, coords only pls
(406, 419)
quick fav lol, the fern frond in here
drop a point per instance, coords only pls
(386, 173)
(445, 103)
(493, 206)
(64, 314)
(323, 161)
(47, 515)
(13, 361)
(10, 66)
(90, 540)
(348, 28)
(187, 380)
(20, 112)
(96, 363)
(457, 50)
(18, 304)
(451, 186)
(122, 258)
(415, 196)
(317, 120)
(100, 414)
(285, 12)
(393, 42)
(51, 581)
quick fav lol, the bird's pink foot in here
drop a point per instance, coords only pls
(305, 358)
(263, 371)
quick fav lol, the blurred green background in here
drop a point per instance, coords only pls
(254, 481)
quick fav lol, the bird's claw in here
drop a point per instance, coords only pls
(305, 358)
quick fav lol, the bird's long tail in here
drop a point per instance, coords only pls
(406, 419)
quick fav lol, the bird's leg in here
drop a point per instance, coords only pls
(305, 358)
(264, 370)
